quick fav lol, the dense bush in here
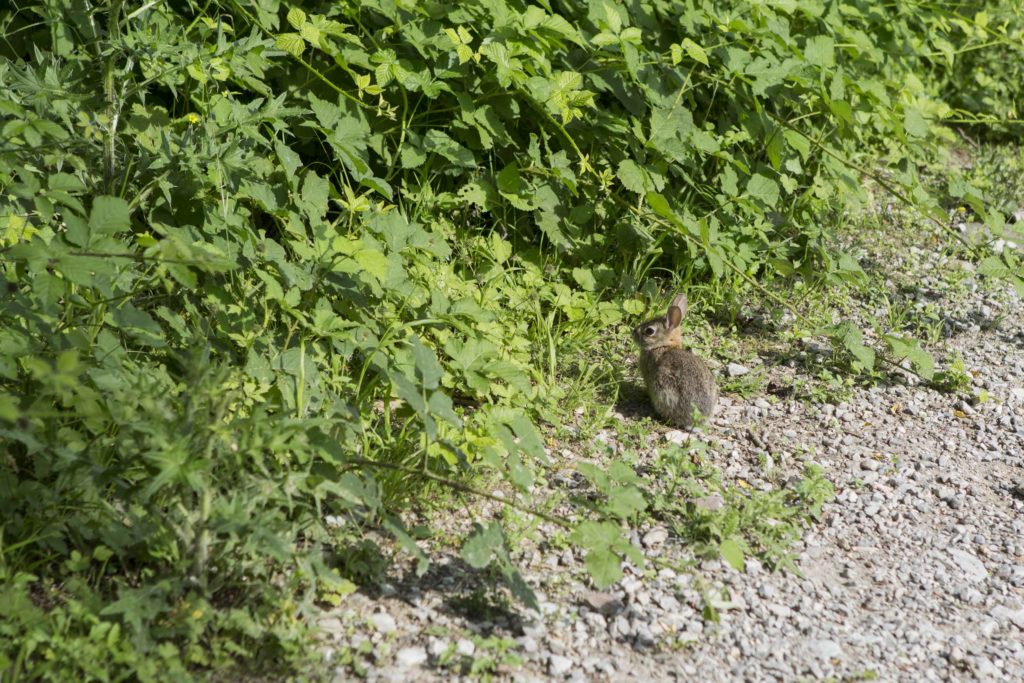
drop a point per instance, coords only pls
(266, 263)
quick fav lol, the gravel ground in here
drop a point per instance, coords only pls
(916, 571)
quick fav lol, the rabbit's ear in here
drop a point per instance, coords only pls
(674, 316)
(680, 303)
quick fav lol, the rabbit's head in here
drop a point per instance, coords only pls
(662, 332)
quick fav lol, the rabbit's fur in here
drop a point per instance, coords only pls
(678, 382)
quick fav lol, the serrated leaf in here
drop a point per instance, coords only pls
(632, 176)
(596, 535)
(911, 349)
(292, 43)
(612, 18)
(694, 51)
(604, 567)
(993, 266)
(109, 215)
(631, 35)
(296, 17)
(310, 34)
(374, 262)
(625, 501)
(821, 51)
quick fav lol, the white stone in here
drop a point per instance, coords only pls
(825, 649)
(655, 536)
(465, 647)
(383, 622)
(736, 370)
(559, 665)
(409, 657)
(1005, 614)
(676, 436)
(971, 565)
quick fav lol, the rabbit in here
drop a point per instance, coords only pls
(678, 382)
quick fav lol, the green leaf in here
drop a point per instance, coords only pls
(820, 51)
(373, 262)
(914, 122)
(910, 349)
(427, 367)
(849, 337)
(596, 534)
(315, 192)
(695, 51)
(109, 215)
(625, 501)
(482, 545)
(763, 189)
(439, 142)
(632, 176)
(9, 409)
(140, 325)
(585, 278)
(660, 206)
(407, 543)
(296, 17)
(993, 266)
(604, 567)
(292, 43)
(732, 552)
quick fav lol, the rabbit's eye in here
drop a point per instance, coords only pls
(649, 332)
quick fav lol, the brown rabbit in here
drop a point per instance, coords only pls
(678, 382)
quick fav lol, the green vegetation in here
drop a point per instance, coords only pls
(269, 264)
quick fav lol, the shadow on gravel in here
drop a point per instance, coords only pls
(469, 594)
(633, 402)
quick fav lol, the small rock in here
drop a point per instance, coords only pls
(604, 603)
(409, 657)
(383, 622)
(528, 643)
(331, 625)
(710, 502)
(559, 665)
(983, 667)
(825, 649)
(817, 348)
(655, 537)
(736, 370)
(870, 465)
(677, 437)
(971, 565)
(988, 627)
(465, 647)
(1004, 614)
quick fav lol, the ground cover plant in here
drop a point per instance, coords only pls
(271, 264)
